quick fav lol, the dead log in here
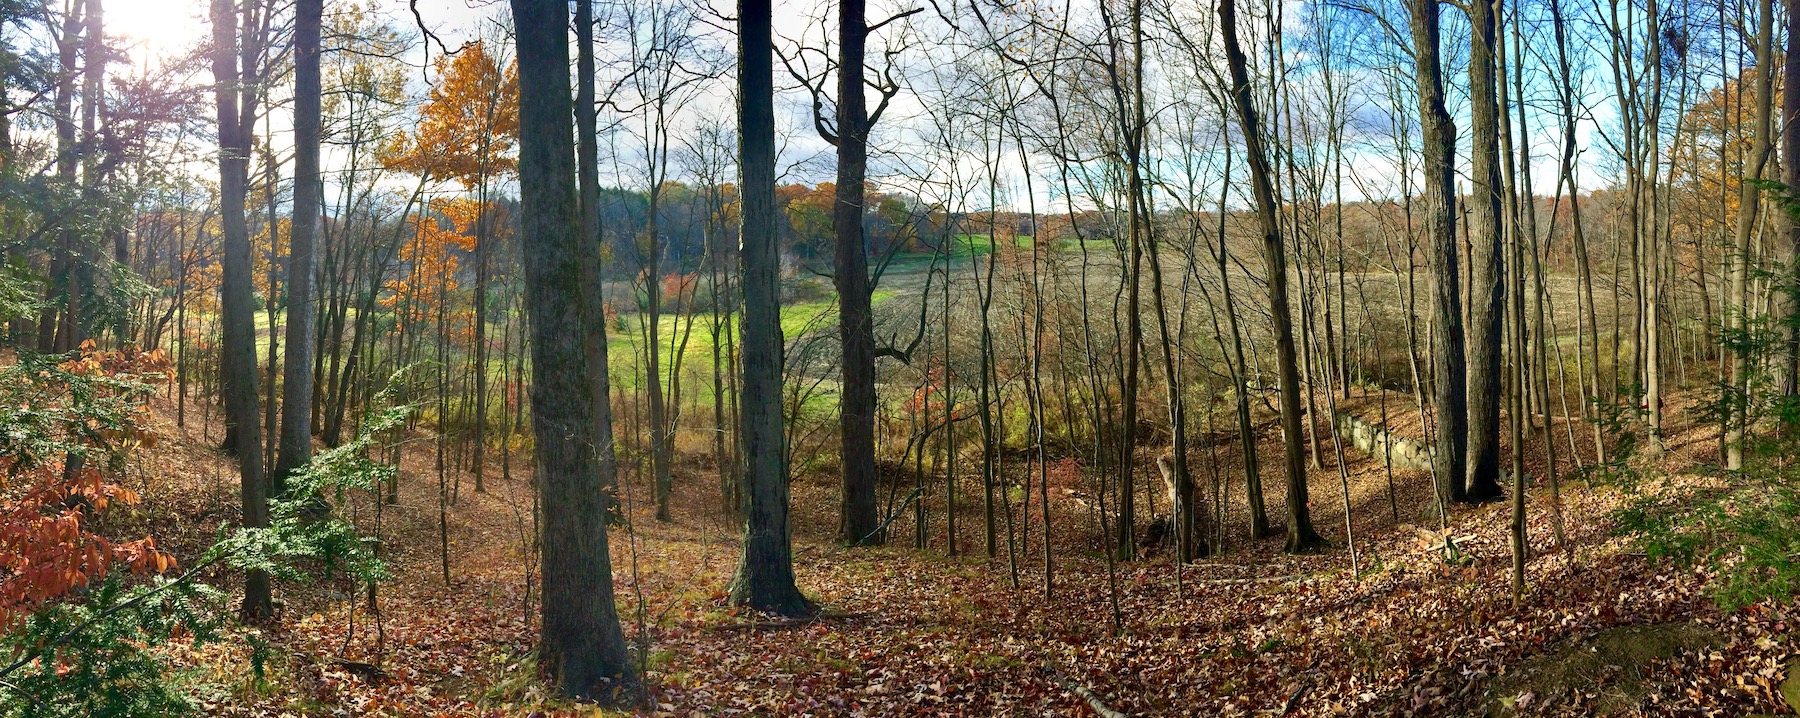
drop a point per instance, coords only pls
(1093, 699)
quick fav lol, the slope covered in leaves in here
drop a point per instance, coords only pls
(917, 633)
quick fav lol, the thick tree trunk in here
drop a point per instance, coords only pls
(1487, 286)
(765, 576)
(238, 347)
(1439, 140)
(581, 645)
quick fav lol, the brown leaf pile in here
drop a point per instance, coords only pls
(908, 633)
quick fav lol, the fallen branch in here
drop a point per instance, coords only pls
(369, 672)
(1295, 578)
(1293, 699)
(785, 623)
(1093, 699)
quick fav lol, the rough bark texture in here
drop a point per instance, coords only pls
(581, 646)
(1300, 534)
(296, 368)
(238, 364)
(856, 416)
(765, 575)
(1439, 140)
(1487, 286)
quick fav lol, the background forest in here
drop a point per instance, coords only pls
(956, 357)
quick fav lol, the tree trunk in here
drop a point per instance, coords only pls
(238, 347)
(856, 328)
(1749, 198)
(594, 318)
(765, 576)
(297, 374)
(1439, 139)
(581, 645)
(1300, 534)
(1790, 176)
(1487, 286)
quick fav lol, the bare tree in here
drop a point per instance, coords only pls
(1300, 534)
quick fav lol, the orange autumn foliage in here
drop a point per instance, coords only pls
(48, 548)
(469, 124)
(429, 260)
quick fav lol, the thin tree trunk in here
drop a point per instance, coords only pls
(1300, 534)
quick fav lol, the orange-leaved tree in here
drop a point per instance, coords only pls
(429, 261)
(71, 424)
(469, 124)
(468, 132)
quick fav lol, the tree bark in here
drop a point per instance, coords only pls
(856, 328)
(581, 645)
(296, 368)
(1749, 198)
(1450, 373)
(1487, 290)
(238, 302)
(1300, 534)
(765, 575)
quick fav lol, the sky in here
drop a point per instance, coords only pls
(157, 29)
(161, 28)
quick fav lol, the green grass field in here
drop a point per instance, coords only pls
(626, 354)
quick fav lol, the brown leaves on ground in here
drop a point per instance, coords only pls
(910, 633)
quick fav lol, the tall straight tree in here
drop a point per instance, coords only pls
(765, 575)
(1789, 371)
(296, 368)
(580, 644)
(1487, 288)
(1300, 534)
(594, 319)
(1748, 200)
(856, 328)
(1438, 135)
(238, 310)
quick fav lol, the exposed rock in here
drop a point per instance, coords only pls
(1401, 452)
(1790, 686)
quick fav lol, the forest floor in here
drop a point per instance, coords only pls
(1394, 630)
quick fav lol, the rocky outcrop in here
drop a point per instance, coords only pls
(1372, 439)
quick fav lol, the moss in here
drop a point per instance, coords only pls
(1790, 686)
(1614, 664)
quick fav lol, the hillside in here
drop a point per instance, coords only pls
(1251, 632)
